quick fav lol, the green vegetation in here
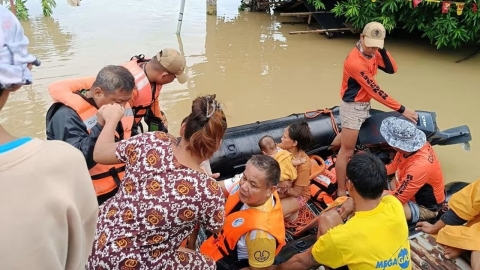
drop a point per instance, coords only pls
(242, 6)
(443, 30)
(22, 10)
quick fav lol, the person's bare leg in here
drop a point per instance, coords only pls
(328, 220)
(408, 212)
(337, 142)
(475, 260)
(349, 140)
(452, 252)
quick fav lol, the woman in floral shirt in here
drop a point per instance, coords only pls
(163, 195)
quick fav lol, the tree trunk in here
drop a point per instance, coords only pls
(12, 7)
(211, 7)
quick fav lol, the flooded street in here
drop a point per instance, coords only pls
(249, 60)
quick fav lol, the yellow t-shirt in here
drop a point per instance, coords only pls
(375, 239)
(257, 245)
(288, 171)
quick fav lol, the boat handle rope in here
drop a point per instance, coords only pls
(315, 113)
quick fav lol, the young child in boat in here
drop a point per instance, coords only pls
(284, 158)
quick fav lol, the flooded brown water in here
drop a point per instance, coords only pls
(249, 60)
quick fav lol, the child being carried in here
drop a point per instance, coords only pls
(284, 158)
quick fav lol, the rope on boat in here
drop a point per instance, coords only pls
(305, 217)
(469, 57)
(315, 113)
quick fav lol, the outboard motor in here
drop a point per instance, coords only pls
(370, 131)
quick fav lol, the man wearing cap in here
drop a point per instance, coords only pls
(358, 88)
(150, 75)
(418, 181)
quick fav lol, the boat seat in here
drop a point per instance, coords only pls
(318, 166)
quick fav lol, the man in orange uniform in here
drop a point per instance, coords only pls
(150, 75)
(359, 87)
(418, 174)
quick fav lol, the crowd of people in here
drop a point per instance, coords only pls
(115, 194)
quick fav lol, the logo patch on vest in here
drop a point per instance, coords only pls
(328, 162)
(237, 222)
(261, 256)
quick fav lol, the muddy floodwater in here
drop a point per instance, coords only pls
(249, 60)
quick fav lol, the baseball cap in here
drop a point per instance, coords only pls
(174, 63)
(374, 34)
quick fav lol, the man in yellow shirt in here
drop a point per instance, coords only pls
(376, 237)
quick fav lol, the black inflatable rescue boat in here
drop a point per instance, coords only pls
(241, 142)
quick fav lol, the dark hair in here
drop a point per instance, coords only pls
(205, 126)
(264, 144)
(268, 165)
(184, 120)
(300, 132)
(367, 174)
(111, 78)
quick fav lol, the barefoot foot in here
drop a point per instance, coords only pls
(451, 253)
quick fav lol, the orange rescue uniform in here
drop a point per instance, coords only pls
(223, 246)
(105, 177)
(358, 82)
(420, 178)
(144, 96)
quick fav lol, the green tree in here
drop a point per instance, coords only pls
(443, 30)
(22, 10)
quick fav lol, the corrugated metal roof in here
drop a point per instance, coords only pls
(426, 254)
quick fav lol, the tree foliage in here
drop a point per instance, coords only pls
(22, 10)
(443, 30)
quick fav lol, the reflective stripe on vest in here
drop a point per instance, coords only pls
(105, 177)
(324, 186)
(145, 96)
(238, 223)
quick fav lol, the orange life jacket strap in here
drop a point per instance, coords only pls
(136, 109)
(113, 172)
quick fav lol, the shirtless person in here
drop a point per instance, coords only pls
(358, 88)
(284, 158)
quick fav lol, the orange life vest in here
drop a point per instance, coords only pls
(238, 223)
(105, 177)
(324, 186)
(146, 94)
